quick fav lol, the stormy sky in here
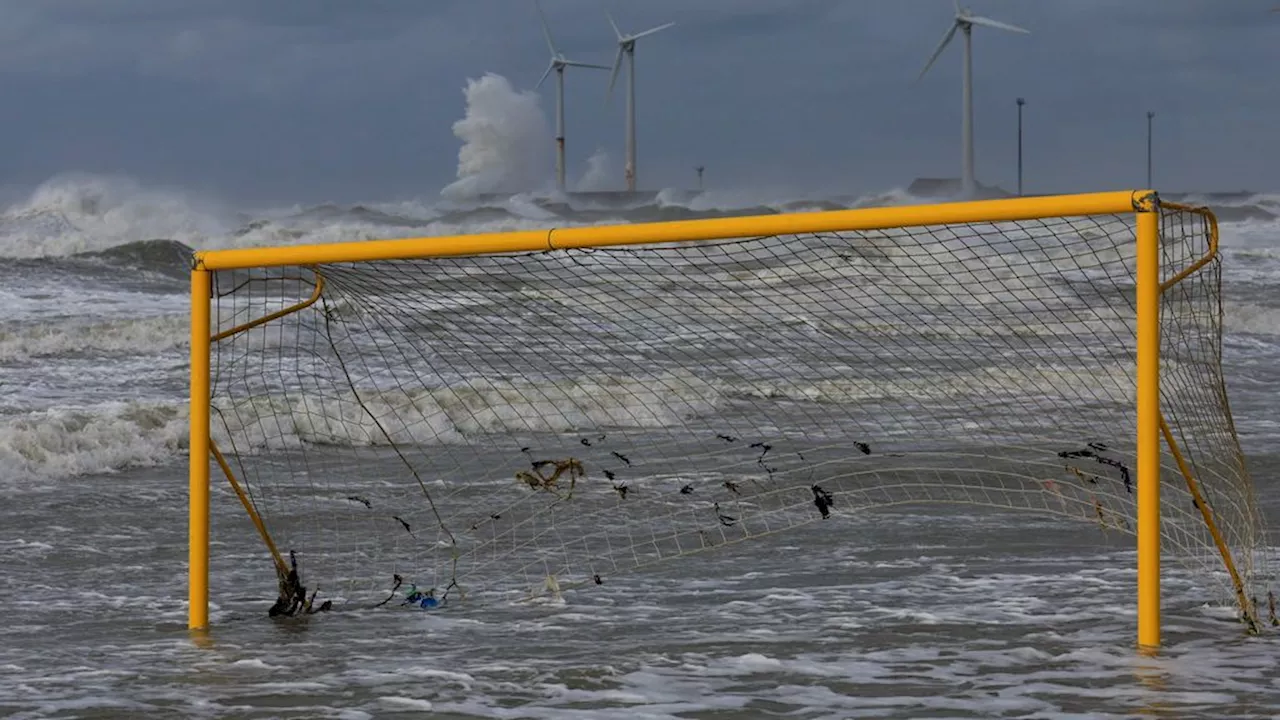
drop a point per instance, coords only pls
(352, 100)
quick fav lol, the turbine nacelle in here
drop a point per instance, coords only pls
(627, 45)
(966, 16)
(965, 20)
(558, 61)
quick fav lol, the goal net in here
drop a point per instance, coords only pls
(508, 426)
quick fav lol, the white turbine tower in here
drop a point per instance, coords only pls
(627, 45)
(558, 63)
(964, 21)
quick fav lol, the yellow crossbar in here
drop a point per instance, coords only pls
(977, 211)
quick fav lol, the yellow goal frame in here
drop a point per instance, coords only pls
(1144, 204)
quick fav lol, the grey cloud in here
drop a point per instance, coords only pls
(325, 99)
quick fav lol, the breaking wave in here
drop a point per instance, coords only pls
(83, 336)
(121, 221)
(109, 437)
(105, 438)
(78, 213)
(455, 413)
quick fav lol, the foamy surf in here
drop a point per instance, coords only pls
(806, 626)
(66, 442)
(79, 213)
(160, 335)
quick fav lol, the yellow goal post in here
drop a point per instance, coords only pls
(1151, 267)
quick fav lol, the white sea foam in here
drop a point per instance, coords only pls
(451, 413)
(80, 213)
(60, 300)
(64, 441)
(103, 438)
(159, 335)
(1247, 317)
(600, 173)
(90, 440)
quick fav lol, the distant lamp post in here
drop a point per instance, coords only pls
(1150, 115)
(1021, 102)
(699, 170)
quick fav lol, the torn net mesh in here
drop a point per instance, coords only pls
(495, 426)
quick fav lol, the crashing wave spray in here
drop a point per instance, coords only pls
(502, 133)
(82, 212)
(599, 172)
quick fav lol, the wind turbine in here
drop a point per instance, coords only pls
(558, 63)
(627, 45)
(964, 21)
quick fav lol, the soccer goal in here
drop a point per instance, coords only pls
(492, 418)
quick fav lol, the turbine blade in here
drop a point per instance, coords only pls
(959, 11)
(613, 77)
(988, 22)
(651, 31)
(616, 31)
(547, 72)
(575, 63)
(546, 31)
(951, 32)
